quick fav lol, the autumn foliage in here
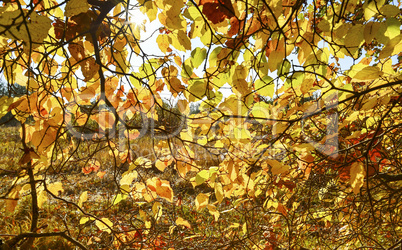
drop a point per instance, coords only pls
(296, 141)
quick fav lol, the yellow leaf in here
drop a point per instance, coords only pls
(234, 225)
(104, 224)
(150, 8)
(171, 17)
(201, 201)
(306, 85)
(354, 37)
(161, 187)
(162, 165)
(83, 220)
(368, 73)
(157, 210)
(393, 47)
(183, 168)
(127, 178)
(389, 10)
(55, 188)
(196, 91)
(175, 86)
(100, 174)
(163, 42)
(265, 86)
(182, 105)
(357, 174)
(119, 197)
(213, 211)
(393, 28)
(279, 127)
(5, 102)
(183, 40)
(370, 103)
(277, 167)
(370, 8)
(219, 192)
(233, 170)
(241, 134)
(75, 7)
(201, 177)
(181, 221)
(244, 228)
(370, 31)
(38, 27)
(83, 198)
(42, 197)
(11, 204)
(274, 59)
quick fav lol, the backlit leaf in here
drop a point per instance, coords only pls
(75, 7)
(198, 56)
(389, 10)
(265, 86)
(368, 73)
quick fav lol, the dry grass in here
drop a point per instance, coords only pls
(57, 215)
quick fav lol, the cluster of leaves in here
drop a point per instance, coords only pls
(301, 153)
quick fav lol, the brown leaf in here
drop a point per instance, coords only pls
(217, 10)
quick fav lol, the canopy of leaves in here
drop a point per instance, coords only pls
(284, 130)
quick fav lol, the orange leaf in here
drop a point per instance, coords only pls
(162, 165)
(101, 174)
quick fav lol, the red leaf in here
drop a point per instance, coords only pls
(58, 29)
(234, 26)
(217, 10)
